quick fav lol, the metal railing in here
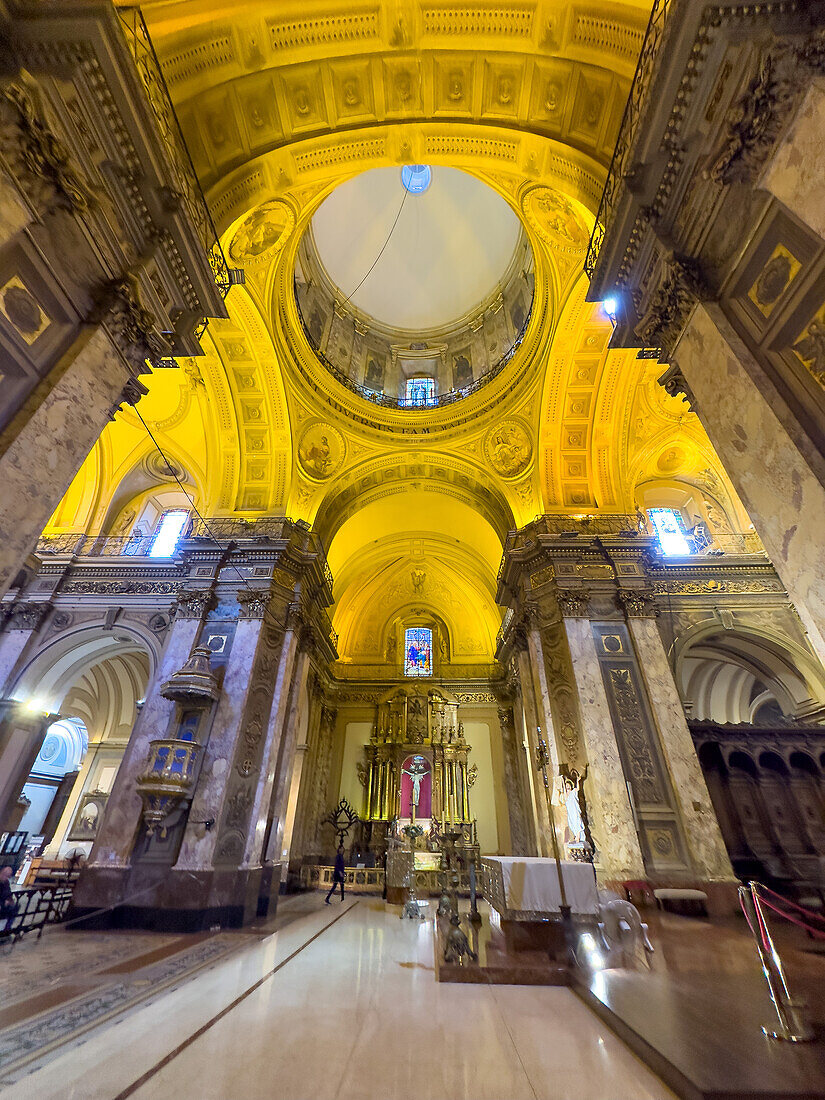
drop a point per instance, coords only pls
(183, 171)
(636, 103)
(37, 906)
(377, 397)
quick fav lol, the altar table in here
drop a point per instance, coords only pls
(527, 887)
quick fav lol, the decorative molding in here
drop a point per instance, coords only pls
(636, 604)
(760, 114)
(673, 383)
(193, 604)
(574, 603)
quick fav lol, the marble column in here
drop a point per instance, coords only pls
(707, 852)
(534, 716)
(17, 636)
(611, 817)
(765, 462)
(288, 760)
(116, 835)
(21, 735)
(292, 759)
(517, 792)
(264, 789)
(301, 830)
(41, 453)
(795, 172)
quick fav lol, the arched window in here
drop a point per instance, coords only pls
(167, 533)
(418, 651)
(670, 531)
(420, 391)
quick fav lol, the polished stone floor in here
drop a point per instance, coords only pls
(352, 1010)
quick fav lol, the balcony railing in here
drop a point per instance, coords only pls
(377, 397)
(183, 171)
(634, 108)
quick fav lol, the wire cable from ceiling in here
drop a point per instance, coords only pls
(383, 249)
(257, 592)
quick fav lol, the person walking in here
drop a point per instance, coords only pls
(8, 902)
(338, 874)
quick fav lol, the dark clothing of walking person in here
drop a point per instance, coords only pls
(8, 902)
(338, 875)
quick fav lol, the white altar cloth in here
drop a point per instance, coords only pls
(531, 883)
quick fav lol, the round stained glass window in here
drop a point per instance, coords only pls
(416, 177)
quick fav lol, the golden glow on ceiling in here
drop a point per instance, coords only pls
(413, 506)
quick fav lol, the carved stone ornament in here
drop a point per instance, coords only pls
(758, 118)
(39, 157)
(574, 603)
(680, 288)
(253, 604)
(673, 383)
(27, 616)
(130, 325)
(635, 604)
(193, 605)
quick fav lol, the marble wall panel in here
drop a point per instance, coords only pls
(611, 818)
(708, 854)
(783, 497)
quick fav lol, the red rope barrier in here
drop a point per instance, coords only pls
(793, 904)
(817, 932)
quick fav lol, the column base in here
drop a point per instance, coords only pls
(162, 900)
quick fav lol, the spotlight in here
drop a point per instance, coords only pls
(610, 306)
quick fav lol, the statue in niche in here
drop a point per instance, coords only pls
(578, 835)
(374, 378)
(124, 524)
(416, 719)
(392, 643)
(462, 372)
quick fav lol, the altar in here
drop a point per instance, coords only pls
(524, 891)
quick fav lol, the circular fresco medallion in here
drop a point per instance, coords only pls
(508, 449)
(556, 219)
(262, 234)
(320, 451)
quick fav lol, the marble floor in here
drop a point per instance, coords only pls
(351, 1010)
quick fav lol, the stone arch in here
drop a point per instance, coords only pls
(724, 673)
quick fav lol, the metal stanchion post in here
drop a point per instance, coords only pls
(792, 1027)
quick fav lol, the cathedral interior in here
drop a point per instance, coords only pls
(412, 481)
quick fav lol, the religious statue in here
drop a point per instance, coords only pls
(416, 771)
(578, 826)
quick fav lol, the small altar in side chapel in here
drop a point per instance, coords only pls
(416, 771)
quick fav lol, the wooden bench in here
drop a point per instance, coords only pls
(688, 903)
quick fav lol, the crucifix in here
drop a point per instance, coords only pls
(416, 771)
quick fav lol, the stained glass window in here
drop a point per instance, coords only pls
(420, 391)
(167, 534)
(669, 529)
(418, 651)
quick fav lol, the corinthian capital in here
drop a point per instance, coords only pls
(636, 604)
(574, 603)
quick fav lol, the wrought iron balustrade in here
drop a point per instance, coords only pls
(183, 172)
(377, 397)
(635, 107)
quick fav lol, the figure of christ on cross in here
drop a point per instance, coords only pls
(416, 771)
